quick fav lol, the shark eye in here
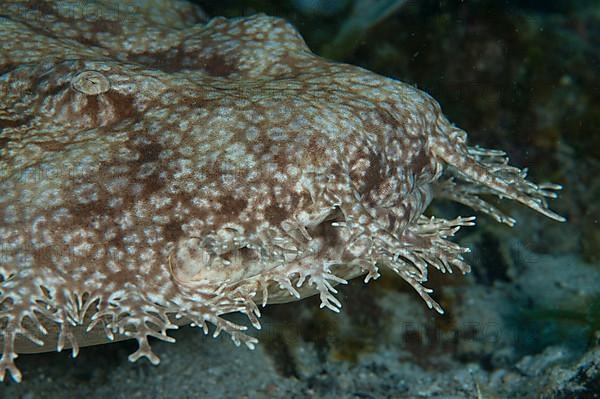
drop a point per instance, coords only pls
(90, 83)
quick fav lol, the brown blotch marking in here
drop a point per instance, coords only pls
(152, 184)
(275, 214)
(316, 151)
(123, 105)
(296, 198)
(289, 60)
(51, 146)
(43, 256)
(54, 89)
(12, 123)
(91, 107)
(231, 206)
(172, 231)
(149, 152)
(169, 61)
(373, 177)
(4, 142)
(216, 65)
(420, 162)
(82, 214)
(122, 276)
(6, 123)
(281, 159)
(106, 25)
(85, 212)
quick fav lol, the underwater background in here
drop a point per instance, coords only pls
(520, 76)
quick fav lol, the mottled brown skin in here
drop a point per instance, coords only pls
(159, 172)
